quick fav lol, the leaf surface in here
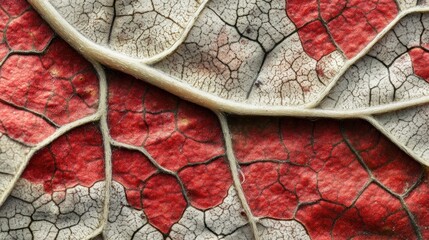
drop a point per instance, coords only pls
(87, 152)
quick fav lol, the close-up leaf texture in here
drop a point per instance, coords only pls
(214, 119)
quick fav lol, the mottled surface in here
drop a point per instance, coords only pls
(91, 153)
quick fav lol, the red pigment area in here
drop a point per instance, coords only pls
(315, 40)
(319, 218)
(4, 19)
(391, 166)
(352, 24)
(325, 158)
(359, 23)
(420, 58)
(275, 190)
(125, 115)
(23, 126)
(14, 7)
(330, 9)
(76, 158)
(28, 32)
(314, 37)
(297, 138)
(207, 185)
(376, 214)
(418, 202)
(341, 165)
(301, 12)
(131, 169)
(328, 188)
(174, 132)
(257, 141)
(160, 195)
(163, 201)
(60, 85)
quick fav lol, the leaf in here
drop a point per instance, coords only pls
(112, 157)
(61, 192)
(339, 179)
(132, 28)
(313, 58)
(234, 56)
(390, 76)
(47, 88)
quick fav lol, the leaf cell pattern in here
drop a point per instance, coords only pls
(88, 152)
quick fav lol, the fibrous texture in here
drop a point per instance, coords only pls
(161, 149)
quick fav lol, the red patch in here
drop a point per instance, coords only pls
(47, 85)
(359, 23)
(342, 177)
(352, 24)
(330, 9)
(318, 218)
(163, 201)
(4, 19)
(131, 169)
(207, 185)
(302, 11)
(30, 128)
(315, 40)
(160, 195)
(260, 141)
(28, 32)
(76, 158)
(329, 181)
(157, 100)
(376, 214)
(418, 202)
(297, 138)
(420, 58)
(14, 7)
(176, 134)
(391, 166)
(125, 115)
(265, 194)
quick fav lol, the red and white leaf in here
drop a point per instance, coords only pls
(235, 54)
(111, 154)
(46, 89)
(61, 193)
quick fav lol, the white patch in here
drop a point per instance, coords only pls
(191, 226)
(405, 4)
(12, 156)
(123, 220)
(288, 76)
(216, 59)
(263, 21)
(365, 84)
(409, 29)
(330, 65)
(410, 127)
(226, 218)
(275, 229)
(388, 48)
(92, 18)
(136, 28)
(38, 215)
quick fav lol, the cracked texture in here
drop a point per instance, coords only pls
(168, 167)
(139, 29)
(61, 193)
(392, 72)
(233, 51)
(342, 191)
